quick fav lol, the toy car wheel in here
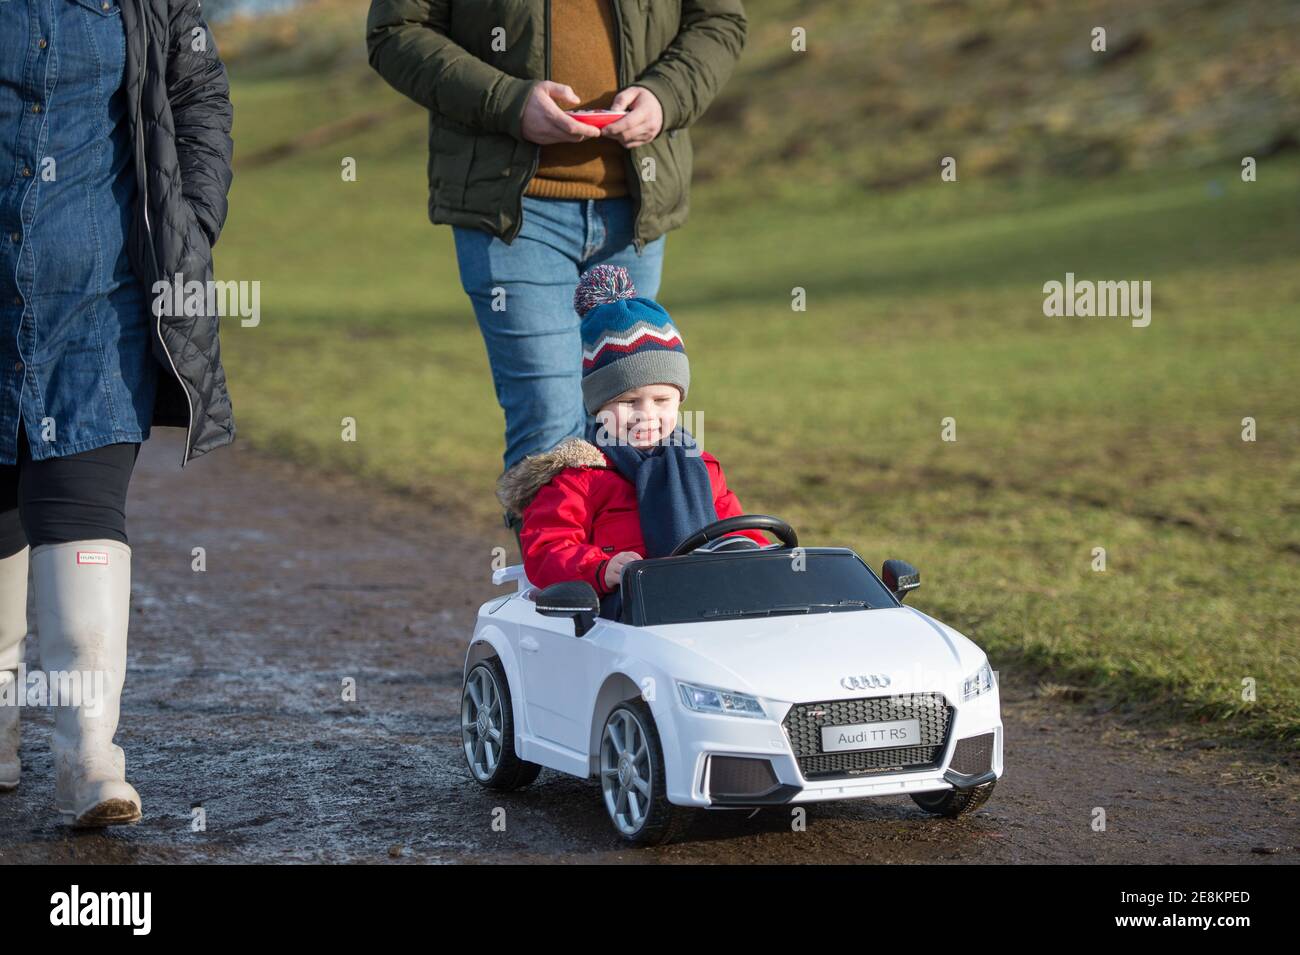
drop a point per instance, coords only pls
(951, 803)
(487, 730)
(632, 778)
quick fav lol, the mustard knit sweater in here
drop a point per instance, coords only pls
(583, 38)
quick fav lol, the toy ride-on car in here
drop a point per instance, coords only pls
(737, 675)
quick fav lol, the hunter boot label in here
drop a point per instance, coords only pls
(92, 557)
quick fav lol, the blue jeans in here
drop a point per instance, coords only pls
(533, 343)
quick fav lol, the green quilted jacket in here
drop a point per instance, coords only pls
(473, 63)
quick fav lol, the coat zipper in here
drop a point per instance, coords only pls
(631, 163)
(537, 149)
(148, 234)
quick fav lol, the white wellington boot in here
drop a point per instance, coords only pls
(13, 628)
(83, 596)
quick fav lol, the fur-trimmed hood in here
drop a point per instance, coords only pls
(518, 486)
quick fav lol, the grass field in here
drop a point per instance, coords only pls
(924, 303)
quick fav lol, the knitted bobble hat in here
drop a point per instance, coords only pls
(627, 341)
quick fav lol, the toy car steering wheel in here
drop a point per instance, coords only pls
(741, 522)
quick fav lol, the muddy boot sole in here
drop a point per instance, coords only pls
(110, 812)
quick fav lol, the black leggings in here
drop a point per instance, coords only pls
(72, 498)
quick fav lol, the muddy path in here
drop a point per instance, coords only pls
(234, 704)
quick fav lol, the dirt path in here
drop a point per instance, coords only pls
(233, 703)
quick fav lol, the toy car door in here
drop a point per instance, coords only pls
(557, 671)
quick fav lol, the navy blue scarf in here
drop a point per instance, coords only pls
(674, 496)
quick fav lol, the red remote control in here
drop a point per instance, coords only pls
(597, 117)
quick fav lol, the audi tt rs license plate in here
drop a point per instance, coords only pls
(840, 739)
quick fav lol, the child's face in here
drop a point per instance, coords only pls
(643, 416)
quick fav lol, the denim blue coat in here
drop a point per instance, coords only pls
(79, 370)
(114, 168)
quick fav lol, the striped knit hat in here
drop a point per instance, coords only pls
(627, 341)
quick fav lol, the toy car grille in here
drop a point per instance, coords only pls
(804, 722)
(973, 755)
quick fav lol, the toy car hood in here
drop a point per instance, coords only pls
(819, 656)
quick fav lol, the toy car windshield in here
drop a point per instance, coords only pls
(726, 586)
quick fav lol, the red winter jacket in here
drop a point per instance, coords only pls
(586, 512)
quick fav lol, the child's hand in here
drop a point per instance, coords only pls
(614, 569)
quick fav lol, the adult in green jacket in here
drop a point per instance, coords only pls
(536, 197)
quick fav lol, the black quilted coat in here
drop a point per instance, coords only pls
(180, 123)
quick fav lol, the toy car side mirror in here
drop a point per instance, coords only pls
(900, 577)
(570, 598)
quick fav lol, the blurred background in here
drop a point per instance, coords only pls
(924, 301)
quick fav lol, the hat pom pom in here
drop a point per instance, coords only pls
(600, 286)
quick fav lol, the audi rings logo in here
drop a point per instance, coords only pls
(865, 681)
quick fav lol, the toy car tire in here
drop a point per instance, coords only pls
(491, 716)
(659, 821)
(952, 803)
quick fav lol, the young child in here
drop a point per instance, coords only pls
(637, 484)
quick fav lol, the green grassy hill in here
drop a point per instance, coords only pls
(925, 302)
(884, 89)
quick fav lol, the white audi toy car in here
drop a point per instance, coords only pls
(737, 675)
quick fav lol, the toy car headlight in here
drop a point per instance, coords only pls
(707, 699)
(981, 681)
